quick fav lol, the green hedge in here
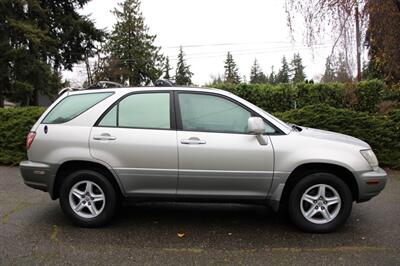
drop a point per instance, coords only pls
(363, 96)
(15, 124)
(380, 131)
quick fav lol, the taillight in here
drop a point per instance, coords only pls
(29, 139)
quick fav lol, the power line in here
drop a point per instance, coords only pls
(221, 44)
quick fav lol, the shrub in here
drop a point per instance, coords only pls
(369, 95)
(364, 96)
(15, 124)
(274, 98)
(310, 94)
(380, 131)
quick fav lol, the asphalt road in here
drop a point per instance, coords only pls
(33, 230)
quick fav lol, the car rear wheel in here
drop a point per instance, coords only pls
(320, 203)
(88, 198)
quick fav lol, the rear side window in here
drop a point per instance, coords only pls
(143, 110)
(72, 106)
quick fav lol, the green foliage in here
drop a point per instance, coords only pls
(297, 70)
(369, 95)
(183, 74)
(363, 96)
(273, 98)
(14, 127)
(331, 94)
(231, 70)
(256, 74)
(330, 73)
(37, 39)
(380, 131)
(167, 69)
(283, 75)
(132, 53)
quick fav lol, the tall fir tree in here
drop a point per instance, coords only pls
(167, 69)
(231, 70)
(256, 74)
(272, 76)
(342, 70)
(183, 74)
(297, 70)
(283, 75)
(132, 47)
(330, 73)
(37, 40)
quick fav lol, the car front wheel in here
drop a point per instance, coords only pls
(320, 203)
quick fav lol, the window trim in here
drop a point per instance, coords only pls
(172, 117)
(111, 93)
(252, 113)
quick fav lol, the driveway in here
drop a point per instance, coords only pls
(33, 230)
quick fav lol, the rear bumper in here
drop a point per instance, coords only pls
(370, 183)
(38, 175)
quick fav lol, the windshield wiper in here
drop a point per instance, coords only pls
(296, 127)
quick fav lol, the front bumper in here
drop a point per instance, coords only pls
(38, 175)
(370, 183)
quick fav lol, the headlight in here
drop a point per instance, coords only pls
(369, 155)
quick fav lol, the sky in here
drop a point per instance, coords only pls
(208, 29)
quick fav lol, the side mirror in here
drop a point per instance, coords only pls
(256, 126)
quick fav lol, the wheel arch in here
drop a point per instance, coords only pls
(309, 168)
(70, 166)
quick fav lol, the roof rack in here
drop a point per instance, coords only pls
(104, 85)
(164, 83)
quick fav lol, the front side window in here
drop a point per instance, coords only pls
(72, 106)
(144, 110)
(200, 112)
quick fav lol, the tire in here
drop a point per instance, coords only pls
(95, 207)
(324, 215)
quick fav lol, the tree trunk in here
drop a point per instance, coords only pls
(358, 43)
(2, 94)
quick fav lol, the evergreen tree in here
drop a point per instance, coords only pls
(330, 74)
(131, 46)
(231, 70)
(256, 74)
(37, 40)
(167, 69)
(297, 70)
(284, 72)
(342, 71)
(183, 74)
(272, 76)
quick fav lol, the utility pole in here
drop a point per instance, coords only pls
(358, 42)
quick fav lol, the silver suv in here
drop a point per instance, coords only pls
(95, 148)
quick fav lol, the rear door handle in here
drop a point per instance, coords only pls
(193, 140)
(104, 136)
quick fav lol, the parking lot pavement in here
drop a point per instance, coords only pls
(33, 230)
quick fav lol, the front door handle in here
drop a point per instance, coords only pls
(193, 140)
(104, 136)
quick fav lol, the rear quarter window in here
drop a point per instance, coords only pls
(72, 106)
